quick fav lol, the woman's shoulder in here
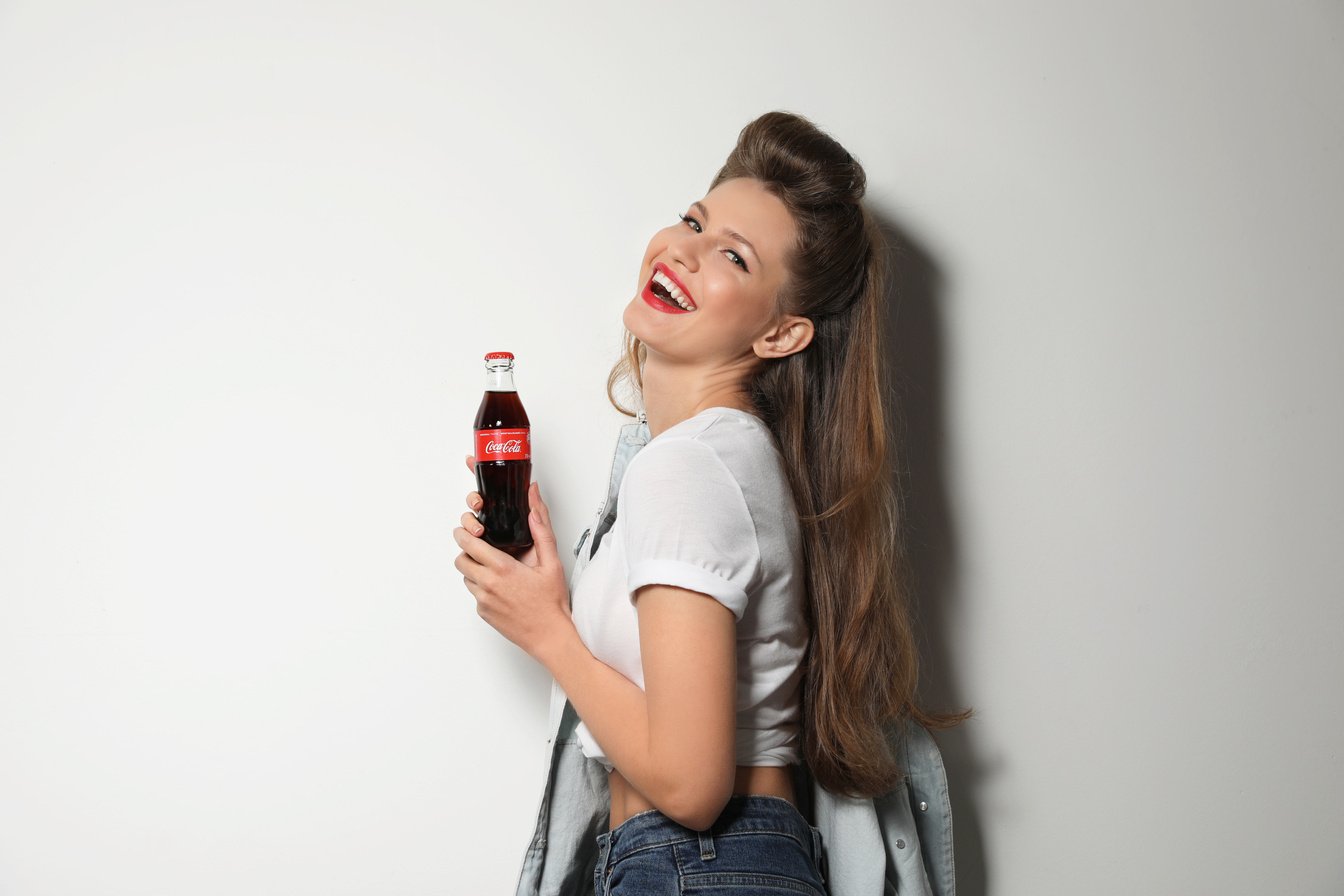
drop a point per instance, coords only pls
(717, 445)
(729, 433)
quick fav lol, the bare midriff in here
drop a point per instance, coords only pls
(751, 780)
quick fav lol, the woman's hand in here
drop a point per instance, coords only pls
(526, 599)
(473, 525)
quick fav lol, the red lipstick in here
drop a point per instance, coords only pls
(667, 306)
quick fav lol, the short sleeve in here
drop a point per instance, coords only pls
(686, 523)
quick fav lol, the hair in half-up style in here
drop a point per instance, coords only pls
(826, 407)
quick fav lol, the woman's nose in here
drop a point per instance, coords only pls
(686, 248)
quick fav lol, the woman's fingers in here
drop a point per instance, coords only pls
(537, 501)
(538, 505)
(471, 563)
(474, 500)
(471, 463)
(540, 523)
(480, 551)
(469, 568)
(471, 524)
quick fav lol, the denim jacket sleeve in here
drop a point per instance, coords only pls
(896, 843)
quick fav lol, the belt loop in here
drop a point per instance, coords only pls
(817, 853)
(706, 846)
(600, 867)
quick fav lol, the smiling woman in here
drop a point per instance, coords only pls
(709, 306)
(737, 621)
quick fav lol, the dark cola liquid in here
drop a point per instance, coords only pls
(503, 484)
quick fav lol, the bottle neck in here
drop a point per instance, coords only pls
(499, 379)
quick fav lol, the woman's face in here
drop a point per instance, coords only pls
(709, 282)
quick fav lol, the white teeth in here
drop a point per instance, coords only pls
(677, 295)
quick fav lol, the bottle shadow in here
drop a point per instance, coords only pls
(913, 339)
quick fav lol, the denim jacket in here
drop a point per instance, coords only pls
(897, 843)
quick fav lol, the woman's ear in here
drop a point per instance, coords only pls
(790, 334)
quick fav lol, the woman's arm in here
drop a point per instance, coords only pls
(673, 741)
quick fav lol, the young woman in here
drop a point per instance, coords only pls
(745, 612)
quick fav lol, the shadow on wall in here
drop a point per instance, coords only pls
(913, 333)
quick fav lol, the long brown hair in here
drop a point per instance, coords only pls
(826, 407)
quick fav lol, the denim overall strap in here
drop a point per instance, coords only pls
(634, 436)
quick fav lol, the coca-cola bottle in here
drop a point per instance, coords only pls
(503, 458)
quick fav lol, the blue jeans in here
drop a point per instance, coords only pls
(759, 844)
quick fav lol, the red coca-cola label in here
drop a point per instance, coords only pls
(503, 444)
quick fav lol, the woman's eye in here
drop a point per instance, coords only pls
(689, 220)
(737, 259)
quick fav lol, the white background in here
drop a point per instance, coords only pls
(251, 255)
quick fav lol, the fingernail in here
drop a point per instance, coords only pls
(478, 530)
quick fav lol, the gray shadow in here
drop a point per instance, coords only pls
(913, 338)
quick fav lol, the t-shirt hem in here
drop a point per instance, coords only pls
(688, 576)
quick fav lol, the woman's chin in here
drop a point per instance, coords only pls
(638, 318)
(660, 332)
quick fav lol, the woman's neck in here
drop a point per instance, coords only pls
(674, 392)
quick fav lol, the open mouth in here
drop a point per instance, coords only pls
(664, 293)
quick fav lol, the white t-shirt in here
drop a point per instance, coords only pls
(706, 506)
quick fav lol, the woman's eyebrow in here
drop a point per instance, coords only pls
(732, 233)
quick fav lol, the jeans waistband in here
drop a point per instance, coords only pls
(742, 814)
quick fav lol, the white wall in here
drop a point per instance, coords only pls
(251, 254)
